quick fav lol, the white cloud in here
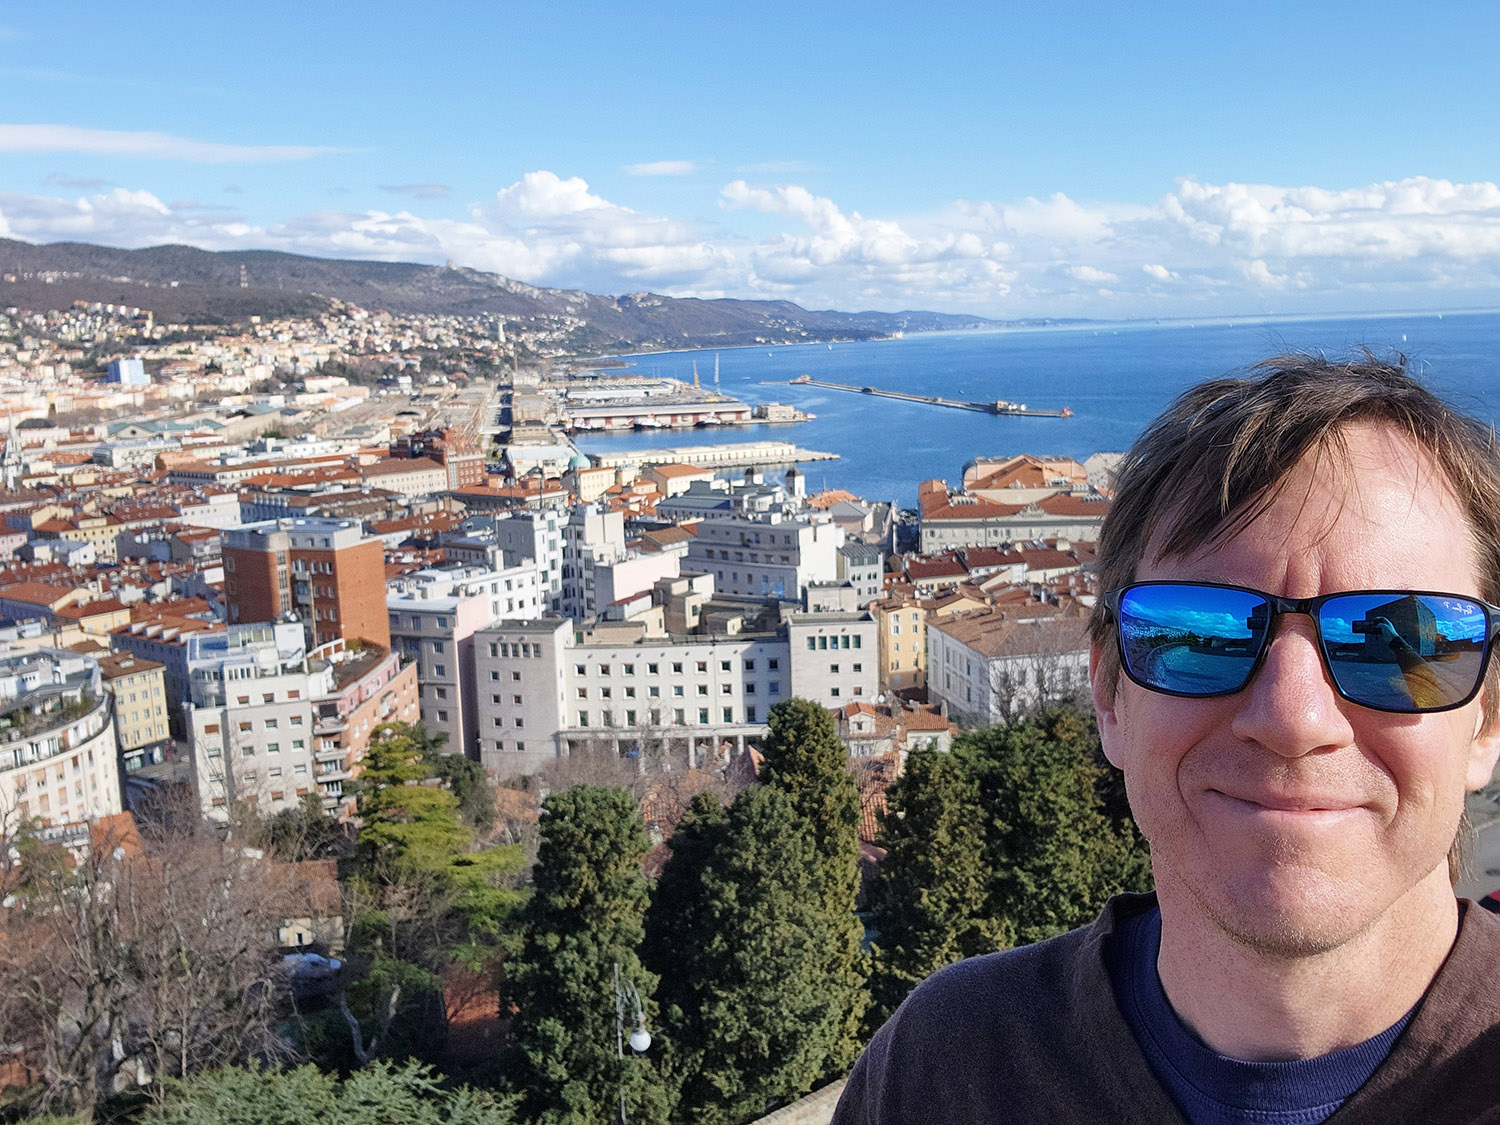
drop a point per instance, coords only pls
(1225, 248)
(148, 146)
(662, 168)
(1091, 275)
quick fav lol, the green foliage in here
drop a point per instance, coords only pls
(930, 902)
(805, 760)
(467, 781)
(422, 900)
(380, 1094)
(739, 936)
(1054, 852)
(584, 918)
(405, 824)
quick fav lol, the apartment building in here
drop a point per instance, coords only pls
(523, 534)
(140, 708)
(433, 617)
(59, 760)
(326, 572)
(988, 667)
(249, 717)
(766, 555)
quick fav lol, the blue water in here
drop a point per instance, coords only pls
(1115, 378)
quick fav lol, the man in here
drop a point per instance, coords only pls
(1291, 666)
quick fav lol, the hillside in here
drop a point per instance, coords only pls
(184, 284)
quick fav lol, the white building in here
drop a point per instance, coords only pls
(766, 556)
(835, 657)
(250, 717)
(434, 614)
(59, 759)
(535, 535)
(989, 668)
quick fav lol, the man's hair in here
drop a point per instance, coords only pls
(1223, 451)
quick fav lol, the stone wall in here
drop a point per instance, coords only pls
(815, 1109)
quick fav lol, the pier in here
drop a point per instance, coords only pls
(999, 406)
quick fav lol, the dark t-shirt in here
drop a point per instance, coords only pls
(1034, 1035)
(1213, 1089)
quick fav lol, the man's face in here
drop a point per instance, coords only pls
(1283, 815)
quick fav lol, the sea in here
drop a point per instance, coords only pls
(1113, 377)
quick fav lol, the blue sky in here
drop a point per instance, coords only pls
(1005, 159)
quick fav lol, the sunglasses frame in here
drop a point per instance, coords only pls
(1309, 607)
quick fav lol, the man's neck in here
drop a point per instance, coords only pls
(1254, 1005)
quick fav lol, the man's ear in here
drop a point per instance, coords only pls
(1483, 752)
(1104, 707)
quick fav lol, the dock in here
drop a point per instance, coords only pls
(998, 406)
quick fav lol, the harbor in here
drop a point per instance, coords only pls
(997, 406)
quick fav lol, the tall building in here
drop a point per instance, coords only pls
(326, 572)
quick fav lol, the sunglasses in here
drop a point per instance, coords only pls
(1406, 651)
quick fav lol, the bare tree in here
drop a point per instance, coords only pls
(126, 961)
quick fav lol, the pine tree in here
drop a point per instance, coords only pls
(739, 935)
(584, 919)
(930, 904)
(805, 760)
(1054, 852)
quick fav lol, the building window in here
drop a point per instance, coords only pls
(494, 675)
(677, 668)
(494, 650)
(859, 667)
(442, 716)
(583, 718)
(439, 670)
(749, 688)
(604, 669)
(442, 692)
(703, 715)
(629, 669)
(729, 714)
(516, 699)
(677, 716)
(515, 677)
(833, 669)
(268, 697)
(774, 687)
(702, 689)
(652, 669)
(833, 692)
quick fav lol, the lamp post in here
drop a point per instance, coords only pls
(628, 998)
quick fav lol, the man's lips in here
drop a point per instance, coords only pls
(1290, 803)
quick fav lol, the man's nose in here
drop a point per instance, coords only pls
(1290, 706)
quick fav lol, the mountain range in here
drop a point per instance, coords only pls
(182, 284)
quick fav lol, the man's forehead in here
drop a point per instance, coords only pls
(1378, 490)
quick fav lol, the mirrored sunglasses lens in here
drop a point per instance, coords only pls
(1404, 652)
(1191, 640)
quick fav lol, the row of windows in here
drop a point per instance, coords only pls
(525, 649)
(247, 725)
(679, 717)
(846, 641)
(678, 690)
(653, 668)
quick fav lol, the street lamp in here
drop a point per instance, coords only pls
(628, 999)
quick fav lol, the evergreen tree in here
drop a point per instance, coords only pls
(422, 900)
(583, 922)
(739, 935)
(930, 905)
(1054, 851)
(409, 1094)
(805, 760)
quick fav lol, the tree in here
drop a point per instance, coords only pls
(738, 934)
(408, 1093)
(127, 966)
(930, 904)
(1054, 851)
(421, 900)
(805, 760)
(582, 924)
